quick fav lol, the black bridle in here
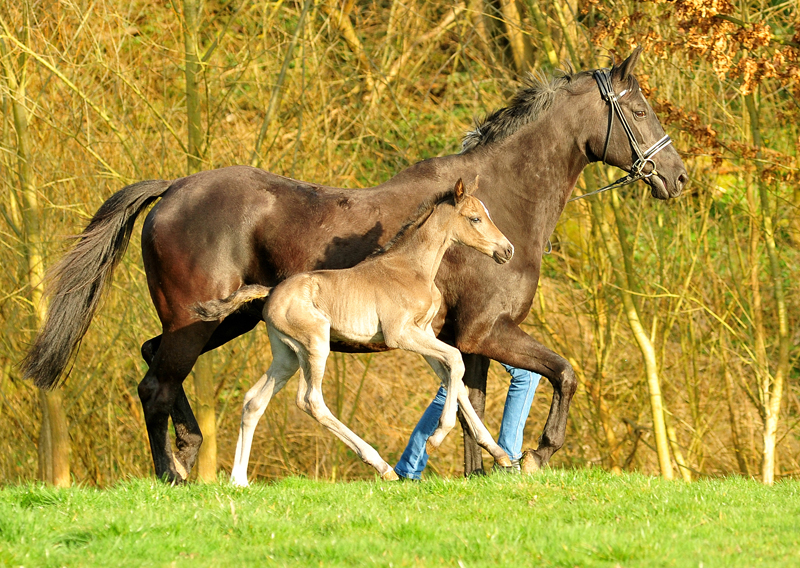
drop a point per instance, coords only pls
(603, 78)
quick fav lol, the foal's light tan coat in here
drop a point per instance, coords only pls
(390, 298)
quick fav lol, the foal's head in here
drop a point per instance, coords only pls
(474, 227)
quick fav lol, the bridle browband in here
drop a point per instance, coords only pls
(603, 79)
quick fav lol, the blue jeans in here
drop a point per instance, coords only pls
(518, 406)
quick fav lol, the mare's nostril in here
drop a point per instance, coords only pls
(681, 182)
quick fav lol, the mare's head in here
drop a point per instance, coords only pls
(610, 141)
(577, 105)
(474, 227)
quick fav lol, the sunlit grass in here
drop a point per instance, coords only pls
(556, 518)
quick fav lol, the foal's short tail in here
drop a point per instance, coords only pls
(215, 310)
(76, 283)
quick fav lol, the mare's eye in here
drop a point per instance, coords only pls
(639, 113)
(475, 219)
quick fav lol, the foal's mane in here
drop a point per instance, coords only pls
(529, 103)
(415, 221)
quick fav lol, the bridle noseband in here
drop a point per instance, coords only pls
(603, 79)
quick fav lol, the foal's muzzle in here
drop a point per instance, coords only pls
(503, 255)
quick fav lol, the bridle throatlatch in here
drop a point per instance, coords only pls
(603, 79)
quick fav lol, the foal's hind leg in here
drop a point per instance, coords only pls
(284, 365)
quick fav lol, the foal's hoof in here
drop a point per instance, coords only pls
(430, 448)
(390, 476)
(530, 462)
(503, 460)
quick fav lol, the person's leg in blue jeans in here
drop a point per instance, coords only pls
(518, 406)
(415, 456)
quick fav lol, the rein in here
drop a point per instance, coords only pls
(603, 79)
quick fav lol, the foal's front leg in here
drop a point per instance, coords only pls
(473, 422)
(447, 364)
(311, 401)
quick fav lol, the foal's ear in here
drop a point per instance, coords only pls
(473, 187)
(458, 191)
(621, 71)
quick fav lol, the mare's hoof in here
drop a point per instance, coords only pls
(480, 472)
(390, 476)
(172, 478)
(530, 462)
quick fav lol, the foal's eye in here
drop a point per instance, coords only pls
(475, 219)
(639, 113)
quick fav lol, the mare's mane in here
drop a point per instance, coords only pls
(415, 221)
(529, 103)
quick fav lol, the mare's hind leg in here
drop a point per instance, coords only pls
(311, 401)
(159, 392)
(284, 365)
(473, 422)
(188, 437)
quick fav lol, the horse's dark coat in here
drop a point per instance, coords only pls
(215, 231)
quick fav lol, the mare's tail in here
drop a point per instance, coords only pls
(75, 285)
(214, 310)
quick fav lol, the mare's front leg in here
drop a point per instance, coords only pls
(508, 344)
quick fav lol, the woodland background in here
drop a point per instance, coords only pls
(678, 317)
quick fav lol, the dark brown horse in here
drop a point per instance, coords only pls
(215, 231)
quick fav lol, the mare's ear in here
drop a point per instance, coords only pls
(473, 187)
(458, 191)
(621, 71)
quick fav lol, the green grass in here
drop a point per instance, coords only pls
(556, 518)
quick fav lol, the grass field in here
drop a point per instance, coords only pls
(555, 518)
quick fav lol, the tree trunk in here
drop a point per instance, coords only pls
(204, 390)
(516, 39)
(53, 437)
(203, 375)
(771, 387)
(642, 339)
